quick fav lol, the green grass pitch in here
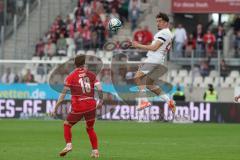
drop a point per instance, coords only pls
(42, 140)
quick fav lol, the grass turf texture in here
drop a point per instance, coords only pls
(42, 140)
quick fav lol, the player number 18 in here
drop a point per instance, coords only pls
(85, 84)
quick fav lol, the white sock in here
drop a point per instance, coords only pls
(165, 97)
(69, 144)
(142, 93)
(141, 97)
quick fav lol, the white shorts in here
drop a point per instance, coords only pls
(153, 70)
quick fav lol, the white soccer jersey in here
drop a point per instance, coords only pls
(165, 36)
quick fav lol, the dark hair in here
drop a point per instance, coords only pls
(210, 87)
(163, 16)
(79, 60)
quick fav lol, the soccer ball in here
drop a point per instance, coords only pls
(114, 24)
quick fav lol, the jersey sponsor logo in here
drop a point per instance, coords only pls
(190, 112)
(193, 111)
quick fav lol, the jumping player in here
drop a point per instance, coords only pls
(81, 83)
(157, 52)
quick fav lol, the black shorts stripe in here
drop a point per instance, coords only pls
(162, 38)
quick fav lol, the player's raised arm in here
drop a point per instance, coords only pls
(161, 38)
(151, 47)
(60, 100)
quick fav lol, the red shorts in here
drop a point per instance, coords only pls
(74, 117)
(83, 106)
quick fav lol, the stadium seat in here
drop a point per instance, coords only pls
(175, 82)
(36, 58)
(183, 73)
(197, 81)
(196, 74)
(28, 65)
(71, 50)
(173, 73)
(187, 81)
(100, 54)
(56, 58)
(104, 59)
(143, 59)
(168, 78)
(177, 79)
(90, 53)
(234, 74)
(229, 81)
(108, 55)
(34, 70)
(46, 58)
(213, 73)
(208, 80)
(70, 41)
(237, 82)
(80, 52)
(64, 58)
(216, 81)
(224, 85)
(40, 78)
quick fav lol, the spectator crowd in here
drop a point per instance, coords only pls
(87, 27)
(9, 77)
(204, 41)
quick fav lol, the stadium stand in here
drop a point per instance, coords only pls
(84, 31)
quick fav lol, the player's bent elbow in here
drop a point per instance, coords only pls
(154, 49)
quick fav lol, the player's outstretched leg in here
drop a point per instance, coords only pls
(142, 102)
(172, 105)
(68, 138)
(155, 89)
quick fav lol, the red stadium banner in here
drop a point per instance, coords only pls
(206, 6)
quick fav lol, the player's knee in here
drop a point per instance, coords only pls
(149, 87)
(67, 123)
(89, 129)
(149, 81)
(89, 125)
(136, 79)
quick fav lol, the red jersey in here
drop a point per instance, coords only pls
(81, 83)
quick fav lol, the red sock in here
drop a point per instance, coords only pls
(67, 133)
(93, 138)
